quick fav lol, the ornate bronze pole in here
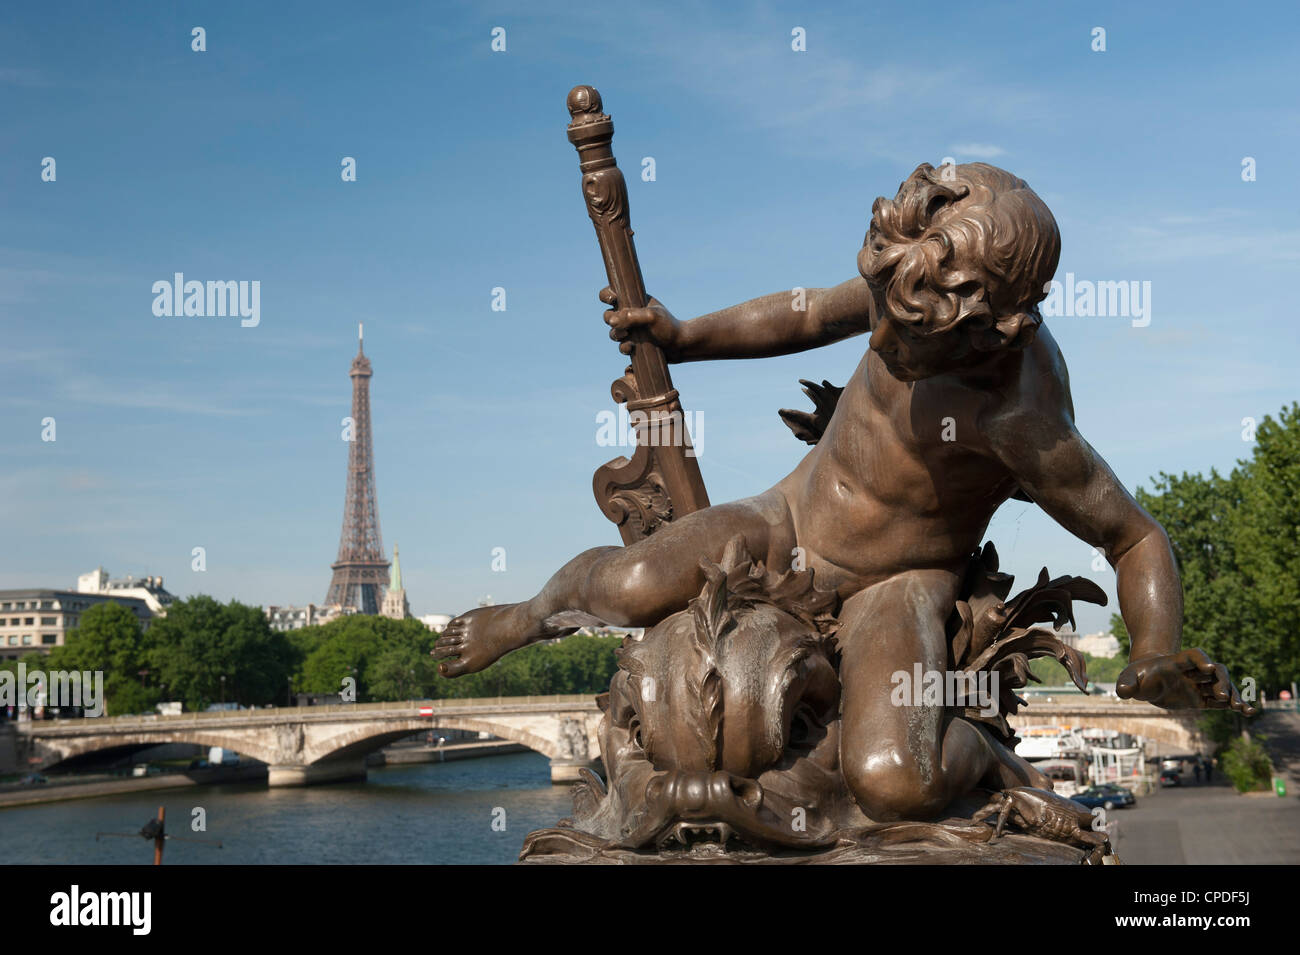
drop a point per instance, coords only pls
(662, 480)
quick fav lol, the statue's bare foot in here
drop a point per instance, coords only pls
(479, 638)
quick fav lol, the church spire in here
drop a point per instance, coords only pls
(395, 604)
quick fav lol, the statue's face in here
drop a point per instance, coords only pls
(911, 355)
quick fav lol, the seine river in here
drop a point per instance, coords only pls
(428, 813)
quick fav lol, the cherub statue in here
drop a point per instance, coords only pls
(961, 401)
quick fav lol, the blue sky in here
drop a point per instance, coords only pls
(181, 432)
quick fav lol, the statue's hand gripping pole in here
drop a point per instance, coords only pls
(662, 480)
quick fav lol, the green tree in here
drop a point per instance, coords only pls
(401, 672)
(33, 660)
(340, 656)
(1237, 542)
(1100, 670)
(1245, 761)
(110, 640)
(1120, 632)
(1198, 513)
(576, 664)
(389, 659)
(1266, 539)
(201, 640)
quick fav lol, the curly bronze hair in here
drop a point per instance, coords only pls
(968, 246)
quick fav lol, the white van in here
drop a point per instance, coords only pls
(222, 757)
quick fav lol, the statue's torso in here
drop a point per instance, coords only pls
(903, 478)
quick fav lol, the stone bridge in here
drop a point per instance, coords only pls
(1175, 730)
(311, 744)
(303, 745)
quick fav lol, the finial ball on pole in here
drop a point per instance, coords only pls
(583, 99)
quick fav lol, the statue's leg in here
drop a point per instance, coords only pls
(633, 586)
(900, 761)
(639, 585)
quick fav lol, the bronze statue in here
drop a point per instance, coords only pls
(778, 624)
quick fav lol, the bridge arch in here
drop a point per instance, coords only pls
(360, 739)
(53, 752)
(1178, 728)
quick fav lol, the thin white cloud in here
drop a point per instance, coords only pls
(830, 101)
(1151, 244)
(977, 150)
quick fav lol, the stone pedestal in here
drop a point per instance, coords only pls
(874, 846)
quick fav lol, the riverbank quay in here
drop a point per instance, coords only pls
(58, 790)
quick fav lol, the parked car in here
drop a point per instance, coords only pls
(1104, 797)
(1093, 800)
(1170, 778)
(33, 779)
(1126, 796)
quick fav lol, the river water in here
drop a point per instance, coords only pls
(428, 813)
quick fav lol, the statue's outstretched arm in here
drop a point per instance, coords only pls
(778, 324)
(1064, 476)
(1061, 472)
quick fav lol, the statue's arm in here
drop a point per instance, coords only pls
(1062, 473)
(774, 325)
(760, 328)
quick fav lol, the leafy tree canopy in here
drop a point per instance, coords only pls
(1237, 542)
(201, 640)
(110, 640)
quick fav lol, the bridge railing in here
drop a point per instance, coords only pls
(333, 709)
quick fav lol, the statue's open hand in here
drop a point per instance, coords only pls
(654, 323)
(1185, 680)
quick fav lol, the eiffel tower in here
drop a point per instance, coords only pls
(361, 571)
